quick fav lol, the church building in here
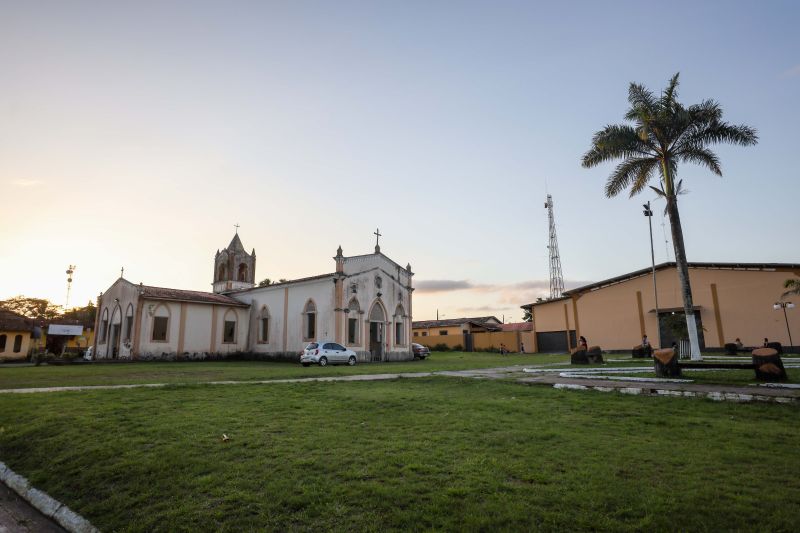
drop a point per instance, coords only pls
(364, 304)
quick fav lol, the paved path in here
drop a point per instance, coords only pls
(17, 516)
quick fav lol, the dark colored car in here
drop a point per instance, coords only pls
(420, 351)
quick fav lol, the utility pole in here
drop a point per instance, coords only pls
(556, 277)
(70, 271)
(649, 214)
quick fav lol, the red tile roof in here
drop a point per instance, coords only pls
(517, 326)
(162, 293)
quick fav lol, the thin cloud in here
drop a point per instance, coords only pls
(443, 285)
(25, 182)
(509, 293)
(791, 72)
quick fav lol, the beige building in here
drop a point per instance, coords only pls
(732, 300)
(15, 336)
(364, 304)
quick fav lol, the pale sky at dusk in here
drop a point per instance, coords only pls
(137, 134)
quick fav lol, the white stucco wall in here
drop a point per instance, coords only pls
(120, 295)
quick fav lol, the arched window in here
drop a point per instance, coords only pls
(129, 322)
(17, 343)
(353, 312)
(400, 326)
(242, 272)
(159, 332)
(263, 325)
(229, 323)
(104, 326)
(222, 272)
(310, 321)
(3, 338)
(376, 314)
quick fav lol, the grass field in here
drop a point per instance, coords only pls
(16, 376)
(422, 454)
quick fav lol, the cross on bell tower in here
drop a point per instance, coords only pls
(377, 240)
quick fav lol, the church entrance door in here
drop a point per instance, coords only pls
(376, 340)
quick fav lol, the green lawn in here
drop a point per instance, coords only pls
(422, 454)
(14, 376)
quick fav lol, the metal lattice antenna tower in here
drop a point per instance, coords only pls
(556, 277)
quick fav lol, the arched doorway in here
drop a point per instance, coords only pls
(377, 331)
(116, 330)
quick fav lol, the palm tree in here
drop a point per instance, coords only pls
(793, 286)
(661, 133)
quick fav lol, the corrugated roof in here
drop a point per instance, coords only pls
(11, 321)
(163, 293)
(482, 321)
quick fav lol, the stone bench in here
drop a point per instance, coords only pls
(642, 351)
(766, 362)
(593, 355)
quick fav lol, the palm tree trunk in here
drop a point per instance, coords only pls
(683, 274)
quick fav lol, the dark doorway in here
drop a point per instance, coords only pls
(376, 340)
(555, 341)
(468, 345)
(115, 338)
(669, 323)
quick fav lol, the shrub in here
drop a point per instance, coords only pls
(458, 348)
(441, 347)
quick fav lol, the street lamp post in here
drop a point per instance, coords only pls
(649, 214)
(785, 306)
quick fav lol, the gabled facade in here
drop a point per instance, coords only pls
(364, 304)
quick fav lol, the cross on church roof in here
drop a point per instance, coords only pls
(377, 240)
(237, 228)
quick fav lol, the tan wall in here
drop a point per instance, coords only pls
(450, 340)
(8, 353)
(615, 316)
(451, 330)
(527, 338)
(487, 340)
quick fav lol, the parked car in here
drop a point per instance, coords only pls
(324, 353)
(420, 351)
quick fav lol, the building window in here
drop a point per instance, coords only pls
(129, 323)
(229, 326)
(104, 327)
(353, 310)
(160, 324)
(243, 272)
(310, 321)
(263, 325)
(229, 332)
(399, 325)
(222, 273)
(17, 343)
(3, 343)
(352, 330)
(424, 333)
(265, 330)
(415, 333)
(442, 332)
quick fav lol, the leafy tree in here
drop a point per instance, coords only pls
(266, 282)
(792, 286)
(84, 315)
(661, 133)
(527, 316)
(37, 308)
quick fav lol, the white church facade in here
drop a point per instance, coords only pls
(364, 304)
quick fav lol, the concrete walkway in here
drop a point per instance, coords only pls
(17, 515)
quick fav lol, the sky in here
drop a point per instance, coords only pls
(136, 134)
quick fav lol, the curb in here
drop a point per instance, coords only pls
(44, 503)
(711, 395)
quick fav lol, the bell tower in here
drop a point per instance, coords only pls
(234, 268)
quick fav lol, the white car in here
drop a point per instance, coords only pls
(324, 353)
